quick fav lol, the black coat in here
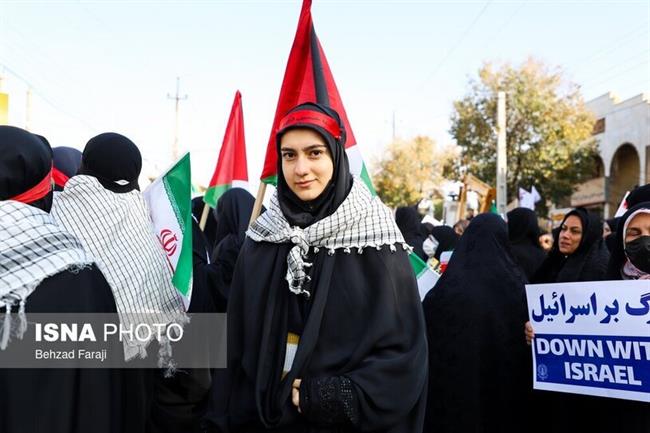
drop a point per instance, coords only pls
(74, 400)
(479, 375)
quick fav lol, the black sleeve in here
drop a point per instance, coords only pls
(329, 400)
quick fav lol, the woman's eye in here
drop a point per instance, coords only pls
(315, 153)
(287, 155)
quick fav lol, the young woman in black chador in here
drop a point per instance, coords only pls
(325, 327)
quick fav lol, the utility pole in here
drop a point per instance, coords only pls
(502, 156)
(177, 99)
(28, 110)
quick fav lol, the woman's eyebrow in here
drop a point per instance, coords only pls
(313, 147)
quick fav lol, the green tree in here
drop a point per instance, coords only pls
(410, 171)
(548, 130)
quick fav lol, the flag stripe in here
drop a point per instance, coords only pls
(322, 95)
(231, 165)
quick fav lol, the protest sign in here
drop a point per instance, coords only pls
(592, 338)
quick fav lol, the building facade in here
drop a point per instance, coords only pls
(622, 130)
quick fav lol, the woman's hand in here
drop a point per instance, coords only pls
(295, 393)
(530, 334)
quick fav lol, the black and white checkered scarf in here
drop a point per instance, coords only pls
(361, 221)
(117, 230)
(33, 248)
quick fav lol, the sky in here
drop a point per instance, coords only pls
(97, 66)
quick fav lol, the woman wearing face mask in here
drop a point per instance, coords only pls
(439, 240)
(630, 260)
(325, 326)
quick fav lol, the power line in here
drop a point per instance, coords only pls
(618, 43)
(592, 83)
(45, 98)
(456, 45)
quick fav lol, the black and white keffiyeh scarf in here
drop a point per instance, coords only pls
(34, 248)
(361, 221)
(117, 230)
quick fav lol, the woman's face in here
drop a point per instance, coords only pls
(637, 227)
(606, 230)
(570, 235)
(306, 163)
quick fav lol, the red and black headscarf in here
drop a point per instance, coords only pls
(25, 168)
(327, 123)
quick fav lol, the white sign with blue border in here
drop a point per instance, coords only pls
(592, 338)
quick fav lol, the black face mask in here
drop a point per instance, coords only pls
(638, 251)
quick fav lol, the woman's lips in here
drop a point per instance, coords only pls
(305, 184)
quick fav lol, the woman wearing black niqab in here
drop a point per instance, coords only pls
(478, 361)
(325, 328)
(523, 232)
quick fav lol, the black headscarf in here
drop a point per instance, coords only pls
(612, 223)
(233, 212)
(479, 367)
(447, 239)
(25, 160)
(210, 229)
(524, 232)
(408, 221)
(587, 263)
(67, 160)
(638, 195)
(302, 213)
(114, 160)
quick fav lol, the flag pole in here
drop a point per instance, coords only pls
(204, 216)
(258, 203)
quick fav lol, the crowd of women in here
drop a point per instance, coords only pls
(326, 329)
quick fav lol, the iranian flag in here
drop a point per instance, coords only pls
(308, 78)
(427, 278)
(169, 198)
(231, 171)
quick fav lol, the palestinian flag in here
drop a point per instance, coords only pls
(308, 78)
(170, 204)
(427, 278)
(231, 168)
